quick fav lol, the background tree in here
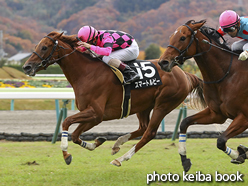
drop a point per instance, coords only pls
(152, 51)
(2, 61)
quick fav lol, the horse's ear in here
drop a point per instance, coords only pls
(58, 36)
(203, 21)
(199, 24)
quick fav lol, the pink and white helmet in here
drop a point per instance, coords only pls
(87, 33)
(228, 18)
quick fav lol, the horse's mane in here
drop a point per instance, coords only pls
(70, 39)
(212, 34)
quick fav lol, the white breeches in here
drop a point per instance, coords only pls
(240, 45)
(126, 54)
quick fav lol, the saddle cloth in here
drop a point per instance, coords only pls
(148, 77)
(148, 74)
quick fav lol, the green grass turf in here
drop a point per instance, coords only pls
(92, 168)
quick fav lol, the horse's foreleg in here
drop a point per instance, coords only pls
(90, 119)
(204, 117)
(144, 118)
(238, 126)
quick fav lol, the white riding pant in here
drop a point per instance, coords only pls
(126, 54)
(240, 45)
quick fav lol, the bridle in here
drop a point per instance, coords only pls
(180, 58)
(46, 62)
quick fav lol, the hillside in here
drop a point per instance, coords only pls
(25, 22)
(11, 73)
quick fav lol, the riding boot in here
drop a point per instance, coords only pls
(129, 74)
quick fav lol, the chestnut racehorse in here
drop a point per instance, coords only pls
(99, 96)
(225, 84)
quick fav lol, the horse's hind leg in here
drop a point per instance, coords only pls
(144, 118)
(238, 126)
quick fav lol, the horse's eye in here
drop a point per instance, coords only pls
(44, 48)
(182, 38)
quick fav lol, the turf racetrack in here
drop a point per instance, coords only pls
(41, 163)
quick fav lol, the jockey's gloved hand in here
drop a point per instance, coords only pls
(244, 55)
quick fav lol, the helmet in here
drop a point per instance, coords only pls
(87, 33)
(228, 18)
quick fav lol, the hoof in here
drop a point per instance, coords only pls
(99, 141)
(186, 165)
(239, 160)
(116, 163)
(242, 149)
(68, 159)
(115, 150)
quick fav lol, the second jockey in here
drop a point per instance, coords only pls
(235, 26)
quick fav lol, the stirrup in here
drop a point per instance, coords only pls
(134, 78)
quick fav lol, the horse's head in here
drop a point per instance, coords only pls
(182, 45)
(43, 54)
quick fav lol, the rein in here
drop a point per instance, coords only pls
(221, 79)
(229, 68)
(47, 61)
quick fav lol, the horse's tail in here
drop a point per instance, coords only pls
(196, 96)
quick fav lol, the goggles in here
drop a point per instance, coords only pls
(230, 29)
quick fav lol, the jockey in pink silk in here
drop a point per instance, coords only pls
(115, 47)
(235, 26)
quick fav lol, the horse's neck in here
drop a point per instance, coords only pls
(76, 67)
(213, 64)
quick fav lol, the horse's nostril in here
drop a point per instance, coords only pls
(163, 63)
(26, 68)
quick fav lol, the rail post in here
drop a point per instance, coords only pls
(12, 105)
(55, 135)
(62, 115)
(182, 112)
(162, 125)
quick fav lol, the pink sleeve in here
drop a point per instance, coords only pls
(107, 44)
(100, 50)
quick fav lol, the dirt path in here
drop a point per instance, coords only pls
(44, 121)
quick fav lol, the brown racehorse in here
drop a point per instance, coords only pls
(99, 96)
(225, 84)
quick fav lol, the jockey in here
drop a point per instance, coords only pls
(115, 47)
(235, 26)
